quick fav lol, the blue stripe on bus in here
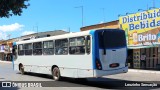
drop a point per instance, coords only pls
(95, 49)
(14, 43)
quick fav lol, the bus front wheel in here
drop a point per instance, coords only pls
(56, 74)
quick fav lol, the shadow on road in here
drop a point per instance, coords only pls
(104, 83)
(9, 88)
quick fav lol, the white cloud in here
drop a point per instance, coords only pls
(28, 32)
(11, 27)
(3, 36)
(67, 30)
(101, 22)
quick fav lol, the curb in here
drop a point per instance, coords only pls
(5, 61)
(144, 71)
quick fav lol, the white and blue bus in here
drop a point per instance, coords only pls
(93, 53)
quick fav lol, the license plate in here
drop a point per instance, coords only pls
(113, 65)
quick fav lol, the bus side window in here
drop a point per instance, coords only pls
(88, 44)
(37, 48)
(61, 47)
(48, 48)
(28, 48)
(20, 49)
(77, 45)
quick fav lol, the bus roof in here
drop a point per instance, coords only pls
(67, 35)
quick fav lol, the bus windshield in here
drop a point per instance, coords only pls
(112, 39)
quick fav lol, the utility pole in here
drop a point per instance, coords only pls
(82, 14)
(103, 12)
(37, 30)
(69, 29)
(9, 35)
(147, 7)
(154, 4)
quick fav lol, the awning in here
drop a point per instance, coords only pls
(141, 46)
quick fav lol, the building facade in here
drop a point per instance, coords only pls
(6, 49)
(143, 38)
(112, 24)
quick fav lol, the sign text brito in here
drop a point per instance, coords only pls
(147, 37)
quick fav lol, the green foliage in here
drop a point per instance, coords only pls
(12, 7)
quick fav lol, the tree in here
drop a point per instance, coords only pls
(12, 7)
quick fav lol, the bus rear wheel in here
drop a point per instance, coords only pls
(21, 69)
(56, 74)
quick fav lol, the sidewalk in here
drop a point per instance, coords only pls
(144, 71)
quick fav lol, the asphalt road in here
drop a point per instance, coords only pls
(119, 81)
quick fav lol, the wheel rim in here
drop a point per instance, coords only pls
(22, 70)
(56, 74)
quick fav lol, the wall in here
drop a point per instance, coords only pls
(112, 24)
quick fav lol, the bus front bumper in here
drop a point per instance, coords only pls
(100, 73)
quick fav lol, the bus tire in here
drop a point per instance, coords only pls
(21, 69)
(56, 74)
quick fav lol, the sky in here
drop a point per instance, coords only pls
(50, 15)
